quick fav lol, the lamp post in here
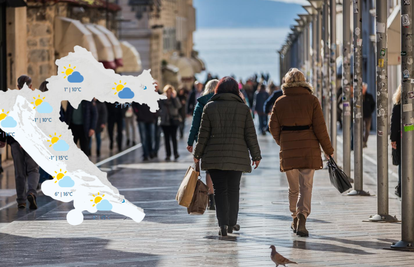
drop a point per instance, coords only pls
(407, 129)
(317, 6)
(314, 60)
(358, 102)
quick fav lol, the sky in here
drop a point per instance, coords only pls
(301, 2)
(247, 13)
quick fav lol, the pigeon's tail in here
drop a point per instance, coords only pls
(294, 262)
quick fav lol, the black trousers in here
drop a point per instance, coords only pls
(170, 133)
(79, 135)
(226, 194)
(119, 127)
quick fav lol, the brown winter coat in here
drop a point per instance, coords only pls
(299, 149)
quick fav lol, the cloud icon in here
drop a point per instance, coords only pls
(75, 77)
(66, 182)
(45, 108)
(126, 93)
(61, 145)
(9, 122)
(104, 205)
(123, 201)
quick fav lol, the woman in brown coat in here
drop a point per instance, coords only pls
(298, 126)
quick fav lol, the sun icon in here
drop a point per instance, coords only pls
(97, 199)
(38, 101)
(59, 175)
(68, 71)
(3, 115)
(54, 139)
(119, 87)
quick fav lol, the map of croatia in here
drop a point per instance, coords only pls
(32, 118)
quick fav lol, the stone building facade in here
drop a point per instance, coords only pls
(158, 29)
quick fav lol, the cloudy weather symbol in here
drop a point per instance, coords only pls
(75, 77)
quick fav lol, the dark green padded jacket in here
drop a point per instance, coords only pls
(226, 135)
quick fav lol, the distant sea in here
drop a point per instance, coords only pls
(240, 52)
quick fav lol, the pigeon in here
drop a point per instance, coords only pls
(279, 259)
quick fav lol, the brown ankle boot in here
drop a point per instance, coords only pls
(301, 230)
(294, 224)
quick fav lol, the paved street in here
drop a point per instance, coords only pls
(168, 236)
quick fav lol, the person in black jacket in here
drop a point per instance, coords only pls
(147, 126)
(26, 170)
(100, 125)
(194, 95)
(82, 122)
(395, 135)
(116, 114)
(368, 108)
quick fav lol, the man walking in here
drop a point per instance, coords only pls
(82, 121)
(26, 169)
(368, 108)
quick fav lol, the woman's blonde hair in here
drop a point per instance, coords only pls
(210, 86)
(168, 87)
(294, 75)
(396, 98)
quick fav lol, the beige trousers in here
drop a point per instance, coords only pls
(300, 191)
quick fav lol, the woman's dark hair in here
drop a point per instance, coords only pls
(24, 79)
(43, 86)
(227, 85)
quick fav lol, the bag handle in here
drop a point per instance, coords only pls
(197, 167)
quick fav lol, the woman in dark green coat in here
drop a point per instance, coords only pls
(195, 126)
(225, 138)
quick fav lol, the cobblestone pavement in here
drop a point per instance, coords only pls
(168, 236)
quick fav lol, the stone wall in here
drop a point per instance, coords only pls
(40, 50)
(40, 34)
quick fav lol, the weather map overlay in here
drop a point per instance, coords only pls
(32, 118)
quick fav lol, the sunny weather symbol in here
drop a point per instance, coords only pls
(101, 204)
(41, 105)
(63, 180)
(73, 76)
(6, 120)
(58, 145)
(122, 91)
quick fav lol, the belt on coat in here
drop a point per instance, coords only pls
(295, 128)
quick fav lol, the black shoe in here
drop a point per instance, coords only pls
(98, 153)
(111, 146)
(211, 202)
(128, 142)
(32, 200)
(398, 191)
(176, 156)
(235, 227)
(133, 143)
(151, 155)
(21, 206)
(145, 159)
(167, 159)
(1, 170)
(223, 230)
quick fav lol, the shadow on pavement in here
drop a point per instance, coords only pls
(26, 251)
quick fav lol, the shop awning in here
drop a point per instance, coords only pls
(104, 47)
(394, 37)
(116, 45)
(184, 65)
(171, 75)
(197, 67)
(70, 32)
(131, 59)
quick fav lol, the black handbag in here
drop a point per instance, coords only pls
(395, 157)
(338, 177)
